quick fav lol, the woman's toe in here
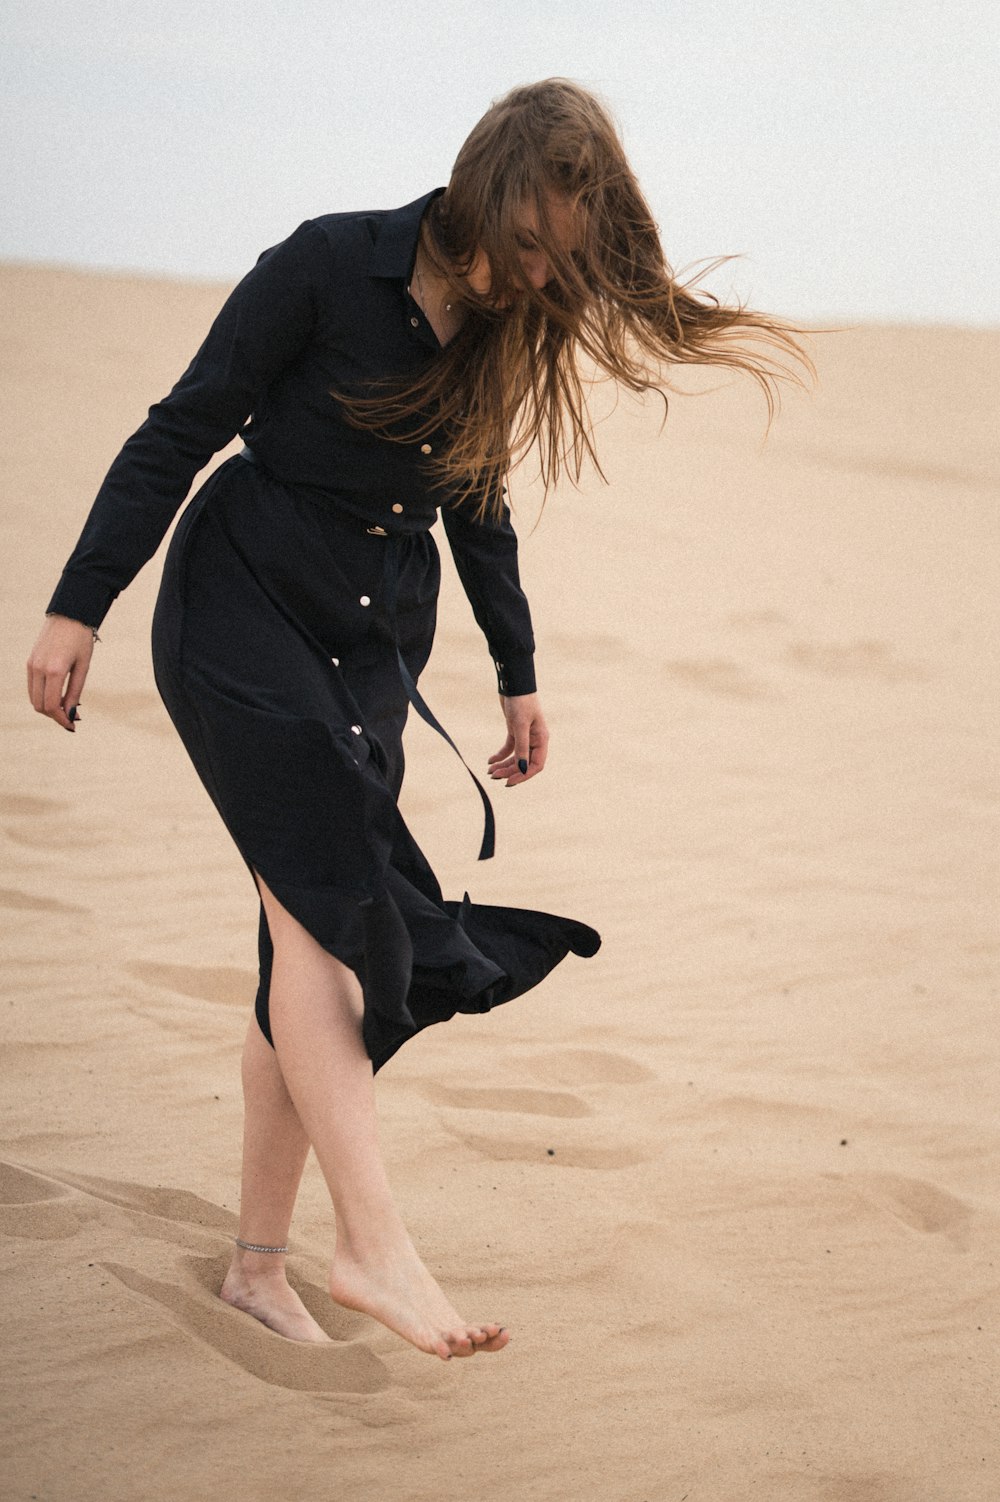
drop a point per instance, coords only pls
(495, 1342)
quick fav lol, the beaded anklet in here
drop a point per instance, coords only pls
(253, 1246)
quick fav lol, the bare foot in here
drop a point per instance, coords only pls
(265, 1293)
(398, 1291)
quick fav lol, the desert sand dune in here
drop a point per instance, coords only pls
(732, 1184)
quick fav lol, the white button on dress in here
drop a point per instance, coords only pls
(425, 448)
(365, 600)
(398, 509)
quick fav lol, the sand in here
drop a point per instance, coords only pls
(733, 1183)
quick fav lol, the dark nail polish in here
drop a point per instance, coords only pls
(522, 766)
(74, 713)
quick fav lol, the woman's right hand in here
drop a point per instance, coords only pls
(62, 652)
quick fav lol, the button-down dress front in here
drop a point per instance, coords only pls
(297, 578)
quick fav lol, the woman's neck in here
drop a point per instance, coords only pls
(435, 295)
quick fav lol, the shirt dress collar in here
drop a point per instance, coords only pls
(396, 241)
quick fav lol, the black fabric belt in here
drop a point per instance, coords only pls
(391, 582)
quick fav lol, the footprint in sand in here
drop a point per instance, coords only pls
(18, 804)
(840, 1486)
(920, 1205)
(62, 835)
(564, 1147)
(857, 659)
(30, 902)
(587, 1066)
(719, 676)
(530, 1102)
(347, 1366)
(35, 1207)
(572, 1153)
(42, 831)
(165, 1214)
(222, 983)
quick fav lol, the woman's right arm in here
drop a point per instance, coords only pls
(58, 666)
(263, 325)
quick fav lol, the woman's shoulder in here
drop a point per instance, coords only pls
(377, 242)
(349, 225)
(337, 243)
(336, 229)
(341, 241)
(362, 230)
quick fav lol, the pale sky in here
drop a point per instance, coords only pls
(848, 151)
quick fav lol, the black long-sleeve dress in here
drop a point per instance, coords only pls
(297, 609)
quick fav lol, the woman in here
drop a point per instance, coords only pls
(391, 363)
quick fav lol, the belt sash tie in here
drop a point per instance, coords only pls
(391, 586)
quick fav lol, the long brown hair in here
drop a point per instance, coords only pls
(511, 376)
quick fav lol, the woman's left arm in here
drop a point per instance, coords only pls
(485, 554)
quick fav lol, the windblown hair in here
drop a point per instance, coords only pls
(511, 377)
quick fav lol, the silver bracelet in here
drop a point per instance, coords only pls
(253, 1246)
(49, 614)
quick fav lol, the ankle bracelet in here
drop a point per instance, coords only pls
(253, 1246)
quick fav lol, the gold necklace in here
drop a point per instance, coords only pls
(420, 286)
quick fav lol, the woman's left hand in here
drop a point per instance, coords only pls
(523, 753)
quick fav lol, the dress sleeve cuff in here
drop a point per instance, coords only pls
(81, 597)
(515, 674)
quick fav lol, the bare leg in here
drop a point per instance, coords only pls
(274, 1155)
(315, 1007)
